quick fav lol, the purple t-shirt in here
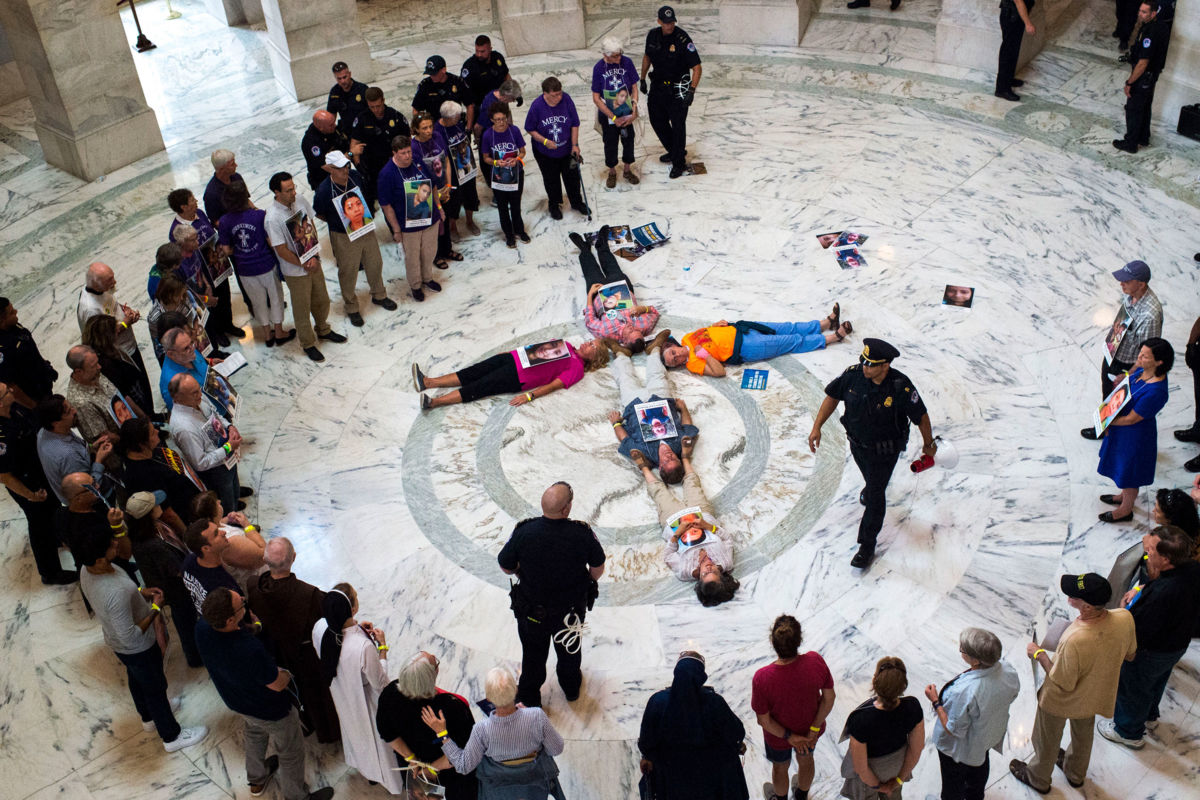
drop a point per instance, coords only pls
(553, 122)
(503, 145)
(246, 233)
(568, 370)
(433, 155)
(609, 80)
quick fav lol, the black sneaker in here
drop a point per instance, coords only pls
(862, 559)
(386, 303)
(1008, 94)
(356, 319)
(433, 286)
(584, 210)
(236, 333)
(1088, 433)
(511, 242)
(677, 171)
(555, 212)
(1124, 146)
(418, 295)
(245, 491)
(578, 241)
(1191, 434)
(665, 158)
(418, 377)
(221, 354)
(1017, 82)
(523, 236)
(859, 4)
(1192, 465)
(314, 354)
(332, 336)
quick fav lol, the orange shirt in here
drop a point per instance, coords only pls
(717, 340)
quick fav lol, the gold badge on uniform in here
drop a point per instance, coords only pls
(887, 403)
(391, 123)
(453, 89)
(671, 49)
(358, 98)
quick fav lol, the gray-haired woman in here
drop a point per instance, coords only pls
(512, 750)
(615, 94)
(463, 194)
(972, 714)
(399, 723)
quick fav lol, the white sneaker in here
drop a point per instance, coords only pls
(1108, 729)
(186, 738)
(148, 725)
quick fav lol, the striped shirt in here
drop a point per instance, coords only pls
(1145, 323)
(517, 735)
(606, 326)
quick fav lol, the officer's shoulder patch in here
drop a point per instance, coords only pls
(692, 46)
(3, 448)
(465, 72)
(1146, 42)
(916, 398)
(316, 150)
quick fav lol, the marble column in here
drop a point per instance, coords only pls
(236, 12)
(76, 62)
(541, 26)
(305, 38)
(968, 33)
(777, 22)
(1179, 83)
(11, 86)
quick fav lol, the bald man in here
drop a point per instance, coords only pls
(97, 297)
(321, 137)
(558, 561)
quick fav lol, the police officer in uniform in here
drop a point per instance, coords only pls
(1014, 24)
(22, 367)
(372, 136)
(558, 561)
(439, 86)
(880, 403)
(1148, 55)
(672, 54)
(321, 137)
(21, 473)
(484, 71)
(347, 98)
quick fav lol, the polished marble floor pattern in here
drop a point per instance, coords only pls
(855, 129)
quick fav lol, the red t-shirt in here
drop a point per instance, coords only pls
(790, 693)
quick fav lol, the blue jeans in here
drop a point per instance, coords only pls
(1142, 684)
(790, 337)
(148, 685)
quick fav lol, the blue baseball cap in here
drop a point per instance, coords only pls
(1133, 271)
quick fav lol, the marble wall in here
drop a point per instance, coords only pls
(304, 39)
(968, 34)
(541, 26)
(1179, 84)
(778, 22)
(11, 85)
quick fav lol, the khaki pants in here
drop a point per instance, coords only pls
(420, 248)
(309, 297)
(668, 504)
(1046, 739)
(349, 254)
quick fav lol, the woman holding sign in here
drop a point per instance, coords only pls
(1130, 447)
(503, 149)
(534, 370)
(463, 193)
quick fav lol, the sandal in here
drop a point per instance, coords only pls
(844, 330)
(686, 445)
(455, 256)
(441, 263)
(835, 319)
(633, 179)
(639, 459)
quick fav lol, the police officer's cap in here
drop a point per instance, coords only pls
(434, 64)
(666, 14)
(877, 351)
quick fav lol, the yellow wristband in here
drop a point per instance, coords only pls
(529, 397)
(814, 730)
(382, 647)
(1037, 653)
(618, 424)
(443, 734)
(898, 781)
(123, 325)
(249, 528)
(154, 607)
(257, 625)
(120, 535)
(410, 756)
(430, 770)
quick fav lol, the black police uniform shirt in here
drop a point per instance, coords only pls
(671, 56)
(22, 365)
(876, 413)
(377, 134)
(347, 105)
(1151, 43)
(482, 77)
(431, 95)
(18, 448)
(315, 145)
(554, 556)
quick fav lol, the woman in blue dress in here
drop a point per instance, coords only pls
(1130, 447)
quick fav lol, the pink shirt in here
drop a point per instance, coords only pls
(568, 370)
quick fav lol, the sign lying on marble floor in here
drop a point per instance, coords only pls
(631, 243)
(845, 245)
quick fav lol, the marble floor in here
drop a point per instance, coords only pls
(855, 129)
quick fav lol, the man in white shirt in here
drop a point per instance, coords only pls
(98, 296)
(206, 441)
(305, 279)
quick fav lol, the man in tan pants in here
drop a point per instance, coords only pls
(354, 247)
(413, 207)
(1081, 682)
(305, 279)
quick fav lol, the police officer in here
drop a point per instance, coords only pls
(21, 473)
(321, 137)
(1148, 55)
(880, 403)
(1014, 24)
(558, 561)
(372, 136)
(672, 54)
(484, 71)
(22, 367)
(347, 98)
(439, 86)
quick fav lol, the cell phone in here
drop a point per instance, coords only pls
(487, 706)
